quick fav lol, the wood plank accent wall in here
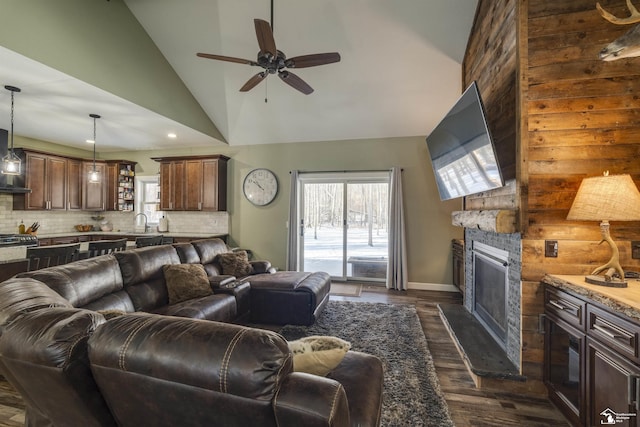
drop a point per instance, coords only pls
(584, 118)
(490, 60)
(570, 116)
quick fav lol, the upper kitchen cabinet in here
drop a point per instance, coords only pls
(172, 185)
(62, 183)
(120, 185)
(74, 184)
(94, 194)
(193, 183)
(46, 176)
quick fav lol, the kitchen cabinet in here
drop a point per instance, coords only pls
(193, 183)
(94, 194)
(74, 184)
(120, 185)
(592, 360)
(172, 182)
(46, 176)
(61, 183)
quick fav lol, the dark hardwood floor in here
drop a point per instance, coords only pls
(468, 405)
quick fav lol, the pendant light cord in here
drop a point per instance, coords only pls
(12, 93)
(94, 144)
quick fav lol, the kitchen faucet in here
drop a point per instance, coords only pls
(135, 218)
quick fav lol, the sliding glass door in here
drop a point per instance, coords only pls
(344, 224)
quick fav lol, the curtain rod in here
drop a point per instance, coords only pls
(347, 171)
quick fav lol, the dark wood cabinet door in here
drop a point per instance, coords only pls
(214, 185)
(193, 185)
(166, 193)
(57, 183)
(74, 184)
(94, 193)
(613, 387)
(36, 173)
(178, 185)
(172, 186)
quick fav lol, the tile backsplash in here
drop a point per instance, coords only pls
(54, 222)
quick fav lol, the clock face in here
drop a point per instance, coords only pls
(260, 186)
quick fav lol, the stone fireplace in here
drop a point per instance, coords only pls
(492, 294)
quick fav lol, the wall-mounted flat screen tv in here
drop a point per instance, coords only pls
(461, 149)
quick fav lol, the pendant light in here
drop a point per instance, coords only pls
(11, 163)
(94, 175)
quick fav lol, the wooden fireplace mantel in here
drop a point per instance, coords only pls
(497, 220)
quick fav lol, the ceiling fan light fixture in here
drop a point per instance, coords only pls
(94, 175)
(11, 163)
(275, 61)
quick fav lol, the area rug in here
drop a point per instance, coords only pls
(342, 290)
(411, 395)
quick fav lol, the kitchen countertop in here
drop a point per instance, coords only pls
(19, 252)
(624, 301)
(126, 233)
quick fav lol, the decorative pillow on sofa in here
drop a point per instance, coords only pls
(318, 355)
(235, 263)
(185, 282)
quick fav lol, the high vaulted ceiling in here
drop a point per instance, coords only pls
(399, 74)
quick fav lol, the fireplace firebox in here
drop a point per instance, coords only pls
(491, 290)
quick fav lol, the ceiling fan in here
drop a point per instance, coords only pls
(274, 61)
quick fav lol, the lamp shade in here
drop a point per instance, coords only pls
(606, 198)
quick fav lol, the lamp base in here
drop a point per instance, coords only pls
(602, 281)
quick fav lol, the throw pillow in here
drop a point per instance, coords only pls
(235, 263)
(186, 281)
(318, 355)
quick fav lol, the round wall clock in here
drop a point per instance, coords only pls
(260, 186)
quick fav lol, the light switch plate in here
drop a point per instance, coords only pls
(551, 248)
(635, 249)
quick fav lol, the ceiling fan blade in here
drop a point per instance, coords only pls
(295, 82)
(265, 37)
(313, 60)
(253, 81)
(226, 58)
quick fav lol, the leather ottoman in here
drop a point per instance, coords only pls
(289, 297)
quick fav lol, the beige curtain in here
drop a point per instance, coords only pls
(292, 239)
(397, 266)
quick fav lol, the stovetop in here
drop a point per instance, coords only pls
(18, 240)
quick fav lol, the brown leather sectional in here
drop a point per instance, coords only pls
(163, 364)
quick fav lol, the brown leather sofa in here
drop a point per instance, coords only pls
(73, 367)
(133, 280)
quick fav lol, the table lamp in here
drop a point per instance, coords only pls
(607, 198)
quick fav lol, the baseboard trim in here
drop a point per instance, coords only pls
(432, 287)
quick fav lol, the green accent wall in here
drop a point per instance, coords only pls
(263, 229)
(101, 43)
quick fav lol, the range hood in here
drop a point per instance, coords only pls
(9, 183)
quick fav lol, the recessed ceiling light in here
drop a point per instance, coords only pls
(91, 141)
(172, 135)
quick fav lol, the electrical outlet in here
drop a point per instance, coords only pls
(635, 249)
(551, 248)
